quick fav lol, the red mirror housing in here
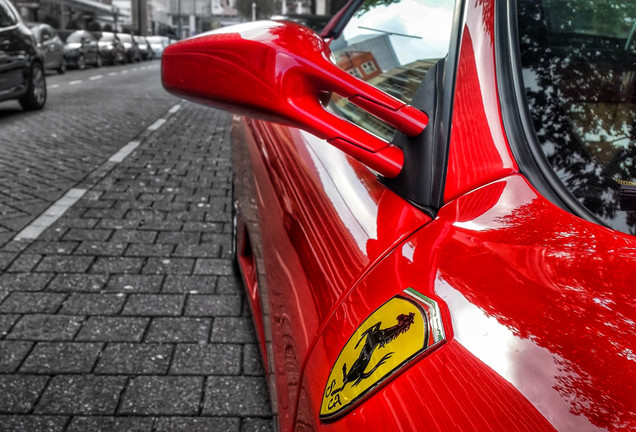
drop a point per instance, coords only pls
(281, 71)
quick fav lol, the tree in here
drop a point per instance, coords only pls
(52, 21)
(94, 26)
(73, 25)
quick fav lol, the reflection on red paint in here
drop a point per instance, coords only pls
(560, 288)
(337, 222)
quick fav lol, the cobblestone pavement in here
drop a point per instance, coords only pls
(126, 314)
(43, 153)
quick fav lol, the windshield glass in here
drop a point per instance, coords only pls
(157, 40)
(37, 32)
(125, 37)
(107, 37)
(578, 64)
(74, 37)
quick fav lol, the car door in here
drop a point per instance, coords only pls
(119, 50)
(13, 52)
(90, 46)
(49, 48)
(321, 220)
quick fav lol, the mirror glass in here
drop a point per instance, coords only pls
(391, 44)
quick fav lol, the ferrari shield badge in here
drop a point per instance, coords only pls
(401, 329)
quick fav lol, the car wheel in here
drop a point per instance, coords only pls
(35, 97)
(62, 67)
(81, 63)
(98, 62)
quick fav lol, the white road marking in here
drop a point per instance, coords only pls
(156, 125)
(53, 213)
(75, 82)
(123, 152)
(59, 207)
(113, 73)
(52, 86)
(96, 77)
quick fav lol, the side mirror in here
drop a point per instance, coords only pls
(281, 71)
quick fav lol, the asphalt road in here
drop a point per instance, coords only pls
(122, 313)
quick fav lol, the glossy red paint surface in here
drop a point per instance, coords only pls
(529, 298)
(320, 220)
(281, 71)
(537, 304)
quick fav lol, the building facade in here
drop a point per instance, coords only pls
(71, 14)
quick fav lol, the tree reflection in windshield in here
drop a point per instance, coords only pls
(580, 80)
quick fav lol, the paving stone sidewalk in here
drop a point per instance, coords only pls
(126, 314)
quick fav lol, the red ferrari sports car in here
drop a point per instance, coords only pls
(435, 206)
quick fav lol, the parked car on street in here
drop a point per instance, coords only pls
(131, 47)
(111, 48)
(158, 44)
(145, 50)
(435, 210)
(50, 45)
(21, 63)
(80, 49)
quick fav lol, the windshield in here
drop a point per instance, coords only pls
(578, 65)
(107, 37)
(125, 37)
(37, 32)
(155, 39)
(75, 37)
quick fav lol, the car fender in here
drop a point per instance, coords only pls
(521, 285)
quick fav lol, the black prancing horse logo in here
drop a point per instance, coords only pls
(373, 337)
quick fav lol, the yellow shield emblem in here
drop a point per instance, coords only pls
(394, 334)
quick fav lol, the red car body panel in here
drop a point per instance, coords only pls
(524, 289)
(537, 304)
(318, 221)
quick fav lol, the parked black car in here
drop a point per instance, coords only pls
(21, 63)
(145, 50)
(132, 49)
(111, 47)
(50, 45)
(80, 48)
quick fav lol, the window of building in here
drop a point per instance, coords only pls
(355, 72)
(369, 67)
